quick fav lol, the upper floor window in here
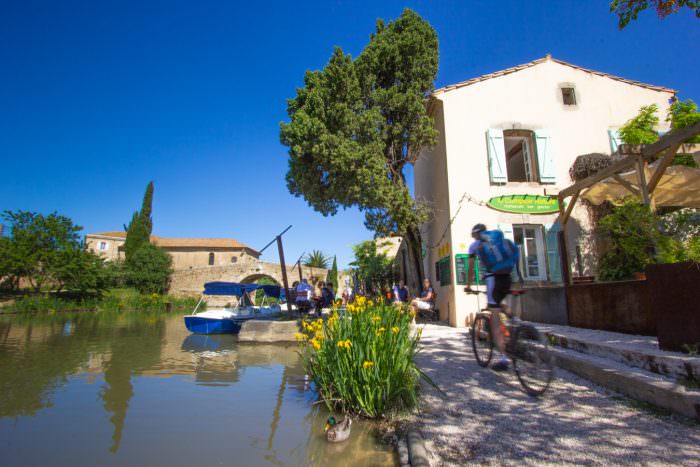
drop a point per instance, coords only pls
(521, 161)
(520, 156)
(211, 259)
(569, 96)
(234, 259)
(103, 246)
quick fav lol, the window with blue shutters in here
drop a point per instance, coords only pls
(545, 156)
(497, 156)
(520, 156)
(615, 140)
(552, 245)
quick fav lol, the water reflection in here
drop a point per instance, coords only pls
(143, 390)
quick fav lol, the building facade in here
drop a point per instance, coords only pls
(185, 252)
(506, 143)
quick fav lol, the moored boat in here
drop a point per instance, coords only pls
(226, 320)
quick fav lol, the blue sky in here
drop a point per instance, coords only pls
(98, 98)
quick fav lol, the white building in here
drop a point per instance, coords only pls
(515, 134)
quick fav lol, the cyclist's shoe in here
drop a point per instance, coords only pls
(500, 365)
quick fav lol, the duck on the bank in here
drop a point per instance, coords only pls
(338, 431)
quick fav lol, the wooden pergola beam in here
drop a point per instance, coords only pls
(664, 164)
(668, 141)
(569, 209)
(626, 184)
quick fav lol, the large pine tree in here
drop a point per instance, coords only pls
(356, 124)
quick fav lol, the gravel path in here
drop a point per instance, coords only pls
(486, 418)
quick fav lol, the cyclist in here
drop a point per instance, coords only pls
(497, 256)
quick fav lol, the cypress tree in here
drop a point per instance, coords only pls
(333, 274)
(139, 231)
(147, 208)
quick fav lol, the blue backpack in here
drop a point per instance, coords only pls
(497, 252)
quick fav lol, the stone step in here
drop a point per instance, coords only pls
(635, 351)
(632, 382)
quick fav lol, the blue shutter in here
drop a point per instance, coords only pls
(552, 246)
(507, 230)
(497, 156)
(545, 156)
(615, 140)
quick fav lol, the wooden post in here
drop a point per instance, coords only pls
(287, 293)
(564, 257)
(641, 169)
(299, 267)
(563, 250)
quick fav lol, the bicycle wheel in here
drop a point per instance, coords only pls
(532, 360)
(482, 343)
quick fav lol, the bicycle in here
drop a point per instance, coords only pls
(524, 344)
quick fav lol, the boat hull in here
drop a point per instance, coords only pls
(204, 325)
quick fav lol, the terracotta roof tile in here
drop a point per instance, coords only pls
(110, 234)
(185, 242)
(514, 69)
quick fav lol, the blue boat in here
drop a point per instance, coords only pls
(229, 320)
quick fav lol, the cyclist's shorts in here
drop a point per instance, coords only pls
(497, 287)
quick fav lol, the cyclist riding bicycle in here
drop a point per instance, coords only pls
(497, 256)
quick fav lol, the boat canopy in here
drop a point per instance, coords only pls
(234, 288)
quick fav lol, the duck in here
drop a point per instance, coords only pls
(337, 432)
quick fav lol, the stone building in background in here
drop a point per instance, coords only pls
(186, 252)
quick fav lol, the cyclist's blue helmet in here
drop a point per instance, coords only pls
(478, 228)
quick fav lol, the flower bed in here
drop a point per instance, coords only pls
(361, 361)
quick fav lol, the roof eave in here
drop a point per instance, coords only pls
(515, 69)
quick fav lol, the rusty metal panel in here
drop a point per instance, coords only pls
(612, 306)
(674, 292)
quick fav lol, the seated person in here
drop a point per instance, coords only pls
(327, 295)
(302, 299)
(401, 293)
(426, 301)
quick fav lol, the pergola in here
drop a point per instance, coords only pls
(636, 159)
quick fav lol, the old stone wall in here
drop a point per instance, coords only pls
(190, 282)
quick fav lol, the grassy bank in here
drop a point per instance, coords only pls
(112, 300)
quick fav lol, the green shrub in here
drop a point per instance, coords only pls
(640, 129)
(115, 300)
(638, 237)
(362, 361)
(148, 269)
(633, 234)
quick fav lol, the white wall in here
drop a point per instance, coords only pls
(527, 99)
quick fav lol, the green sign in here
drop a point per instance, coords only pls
(525, 204)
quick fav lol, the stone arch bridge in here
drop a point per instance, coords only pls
(190, 282)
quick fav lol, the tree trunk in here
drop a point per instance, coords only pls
(414, 251)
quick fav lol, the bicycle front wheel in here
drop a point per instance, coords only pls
(482, 341)
(532, 360)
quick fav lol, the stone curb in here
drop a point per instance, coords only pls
(417, 454)
(635, 383)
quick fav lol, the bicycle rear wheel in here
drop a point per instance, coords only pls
(482, 341)
(532, 360)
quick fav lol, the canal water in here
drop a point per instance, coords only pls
(139, 389)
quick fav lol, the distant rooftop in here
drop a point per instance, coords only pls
(184, 242)
(546, 58)
(388, 245)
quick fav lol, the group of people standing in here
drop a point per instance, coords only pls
(307, 296)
